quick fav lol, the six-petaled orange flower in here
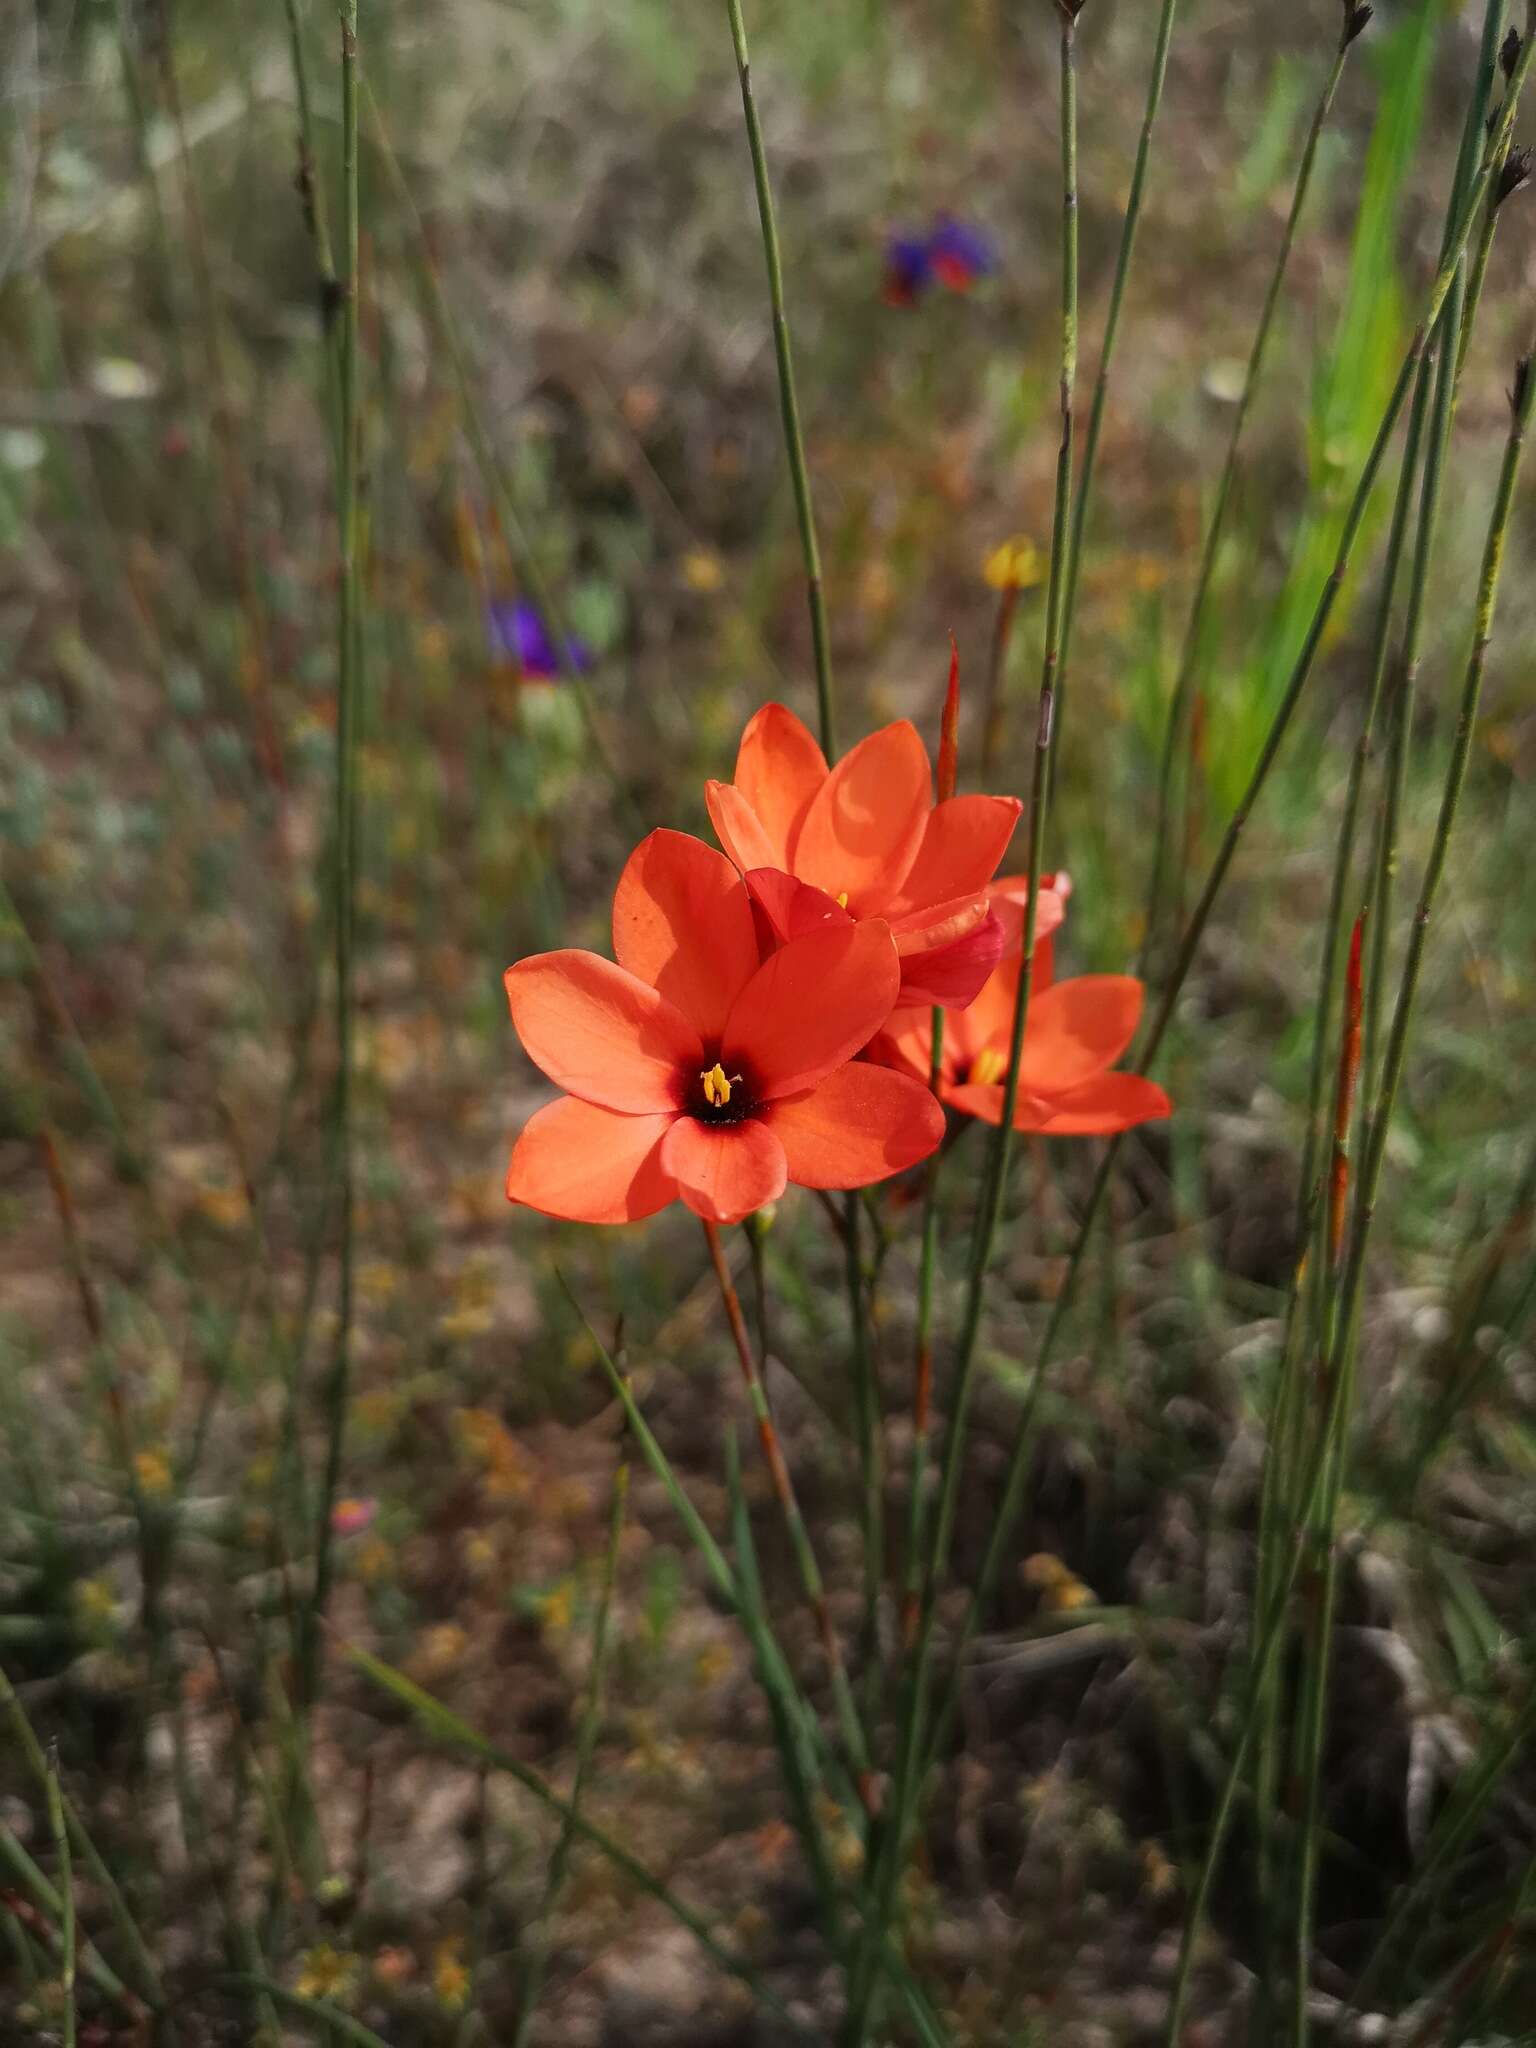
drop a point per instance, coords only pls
(696, 1067)
(1074, 1033)
(866, 840)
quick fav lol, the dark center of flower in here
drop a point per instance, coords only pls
(720, 1098)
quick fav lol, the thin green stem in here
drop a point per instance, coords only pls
(811, 1581)
(448, 1727)
(794, 442)
(586, 1749)
(1339, 1363)
(864, 1990)
(922, 1389)
(1189, 657)
(1101, 384)
(866, 1396)
(1400, 745)
(999, 1540)
(337, 1391)
(66, 1887)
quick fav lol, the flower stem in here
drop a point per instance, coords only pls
(1021, 1452)
(337, 1391)
(794, 442)
(910, 1773)
(1179, 723)
(1132, 222)
(811, 1581)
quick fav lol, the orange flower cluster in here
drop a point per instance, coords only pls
(765, 1018)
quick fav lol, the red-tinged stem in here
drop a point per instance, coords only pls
(949, 728)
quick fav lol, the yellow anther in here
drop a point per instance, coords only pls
(989, 1067)
(717, 1089)
(842, 901)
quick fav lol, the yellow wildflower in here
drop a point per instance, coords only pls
(327, 1972)
(1016, 565)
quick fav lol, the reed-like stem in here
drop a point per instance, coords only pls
(812, 1584)
(1178, 723)
(789, 404)
(1374, 1150)
(910, 1774)
(1101, 382)
(1402, 710)
(999, 1540)
(922, 1380)
(66, 1887)
(586, 1749)
(337, 1390)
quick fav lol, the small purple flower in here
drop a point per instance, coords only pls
(517, 633)
(959, 253)
(907, 269)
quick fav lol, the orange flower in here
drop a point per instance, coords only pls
(696, 1068)
(1074, 1033)
(866, 840)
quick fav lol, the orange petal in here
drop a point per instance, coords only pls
(811, 1006)
(683, 922)
(862, 1124)
(590, 1165)
(1077, 1029)
(937, 924)
(724, 1171)
(862, 833)
(1109, 1102)
(738, 827)
(907, 1045)
(953, 975)
(600, 1033)
(963, 842)
(779, 769)
(974, 1100)
(1010, 894)
(789, 908)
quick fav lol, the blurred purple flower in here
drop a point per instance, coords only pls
(907, 272)
(959, 253)
(517, 633)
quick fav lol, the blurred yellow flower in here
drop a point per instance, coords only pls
(327, 1972)
(702, 570)
(153, 1471)
(450, 1973)
(1016, 565)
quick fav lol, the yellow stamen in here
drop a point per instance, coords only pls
(842, 901)
(717, 1089)
(989, 1067)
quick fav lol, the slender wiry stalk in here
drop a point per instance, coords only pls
(794, 442)
(1402, 715)
(1323, 1548)
(233, 494)
(1514, 168)
(586, 1748)
(337, 1391)
(1101, 382)
(1374, 1150)
(922, 1386)
(66, 1885)
(811, 1580)
(1215, 533)
(909, 1775)
(25, 1737)
(999, 1540)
